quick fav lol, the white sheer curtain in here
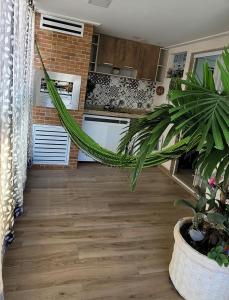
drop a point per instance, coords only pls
(16, 61)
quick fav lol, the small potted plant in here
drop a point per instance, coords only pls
(201, 251)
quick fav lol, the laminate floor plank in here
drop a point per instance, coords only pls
(85, 236)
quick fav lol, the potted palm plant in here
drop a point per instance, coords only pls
(199, 266)
(198, 114)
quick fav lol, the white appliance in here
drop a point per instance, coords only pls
(106, 131)
(51, 145)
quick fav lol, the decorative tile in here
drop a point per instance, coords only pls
(105, 89)
(115, 81)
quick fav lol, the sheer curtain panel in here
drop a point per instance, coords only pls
(16, 65)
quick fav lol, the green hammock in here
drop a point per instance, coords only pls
(94, 150)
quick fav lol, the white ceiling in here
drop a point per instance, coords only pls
(161, 22)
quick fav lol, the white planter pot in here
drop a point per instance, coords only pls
(194, 275)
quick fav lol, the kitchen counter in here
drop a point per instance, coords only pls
(113, 114)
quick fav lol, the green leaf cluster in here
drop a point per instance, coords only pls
(217, 254)
(197, 113)
(207, 208)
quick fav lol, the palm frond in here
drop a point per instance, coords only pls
(199, 113)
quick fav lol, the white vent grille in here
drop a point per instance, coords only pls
(51, 145)
(62, 25)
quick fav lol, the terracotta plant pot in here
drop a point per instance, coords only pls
(194, 275)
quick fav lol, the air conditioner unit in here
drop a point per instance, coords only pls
(62, 25)
(51, 145)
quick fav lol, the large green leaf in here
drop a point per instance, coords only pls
(216, 218)
(185, 203)
(222, 166)
(224, 77)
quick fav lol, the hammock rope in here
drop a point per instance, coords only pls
(93, 149)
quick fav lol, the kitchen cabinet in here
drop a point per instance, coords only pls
(106, 53)
(126, 54)
(106, 131)
(147, 62)
(132, 53)
(118, 52)
(120, 49)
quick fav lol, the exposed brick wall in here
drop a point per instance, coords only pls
(65, 54)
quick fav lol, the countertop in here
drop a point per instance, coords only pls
(113, 114)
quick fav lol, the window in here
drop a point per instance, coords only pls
(211, 59)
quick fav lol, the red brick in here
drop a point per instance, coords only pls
(65, 54)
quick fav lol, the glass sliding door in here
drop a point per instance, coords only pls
(211, 59)
(183, 168)
(199, 62)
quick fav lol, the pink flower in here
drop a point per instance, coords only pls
(212, 182)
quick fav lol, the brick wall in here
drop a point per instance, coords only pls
(65, 54)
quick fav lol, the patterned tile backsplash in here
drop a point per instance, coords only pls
(119, 92)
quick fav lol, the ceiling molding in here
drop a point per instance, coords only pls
(199, 40)
(41, 11)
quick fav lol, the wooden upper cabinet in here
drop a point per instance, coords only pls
(126, 55)
(118, 52)
(123, 53)
(106, 53)
(120, 49)
(147, 62)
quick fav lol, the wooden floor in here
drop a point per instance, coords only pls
(85, 236)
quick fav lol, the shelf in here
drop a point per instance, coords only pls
(122, 76)
(163, 57)
(161, 70)
(162, 66)
(95, 39)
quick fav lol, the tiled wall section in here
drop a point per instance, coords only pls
(65, 54)
(119, 91)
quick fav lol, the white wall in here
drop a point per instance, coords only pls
(211, 44)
